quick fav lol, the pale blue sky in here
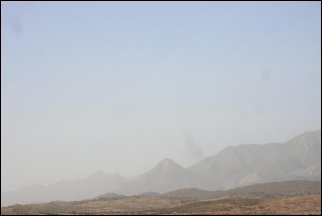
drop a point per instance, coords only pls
(119, 86)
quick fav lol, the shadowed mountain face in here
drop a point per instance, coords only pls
(165, 176)
(298, 158)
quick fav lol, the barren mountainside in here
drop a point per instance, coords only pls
(298, 158)
(292, 197)
(165, 176)
(235, 166)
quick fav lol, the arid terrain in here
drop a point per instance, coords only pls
(306, 204)
(310, 204)
(290, 197)
(161, 108)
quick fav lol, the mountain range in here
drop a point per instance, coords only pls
(235, 166)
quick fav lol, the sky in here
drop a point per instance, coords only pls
(117, 87)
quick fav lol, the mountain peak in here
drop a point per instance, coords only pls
(167, 160)
(165, 176)
(167, 163)
(309, 137)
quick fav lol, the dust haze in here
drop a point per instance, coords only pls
(135, 97)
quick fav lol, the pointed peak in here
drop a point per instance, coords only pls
(167, 163)
(167, 159)
(166, 168)
(307, 135)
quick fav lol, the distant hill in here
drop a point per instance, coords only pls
(166, 175)
(295, 205)
(90, 187)
(235, 166)
(272, 189)
(291, 197)
(109, 196)
(298, 158)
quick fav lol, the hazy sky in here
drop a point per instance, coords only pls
(120, 86)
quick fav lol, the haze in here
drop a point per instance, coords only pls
(120, 86)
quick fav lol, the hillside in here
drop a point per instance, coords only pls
(263, 190)
(166, 175)
(235, 166)
(298, 158)
(310, 204)
(89, 187)
(291, 197)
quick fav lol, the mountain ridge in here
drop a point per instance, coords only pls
(299, 158)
